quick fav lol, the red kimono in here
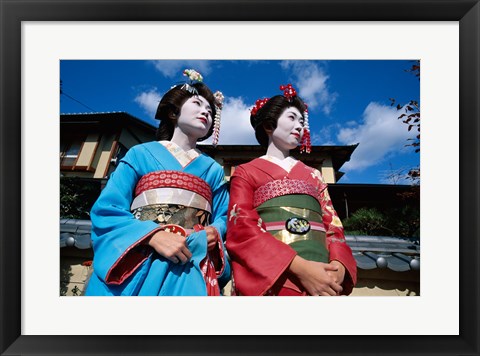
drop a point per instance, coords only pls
(279, 209)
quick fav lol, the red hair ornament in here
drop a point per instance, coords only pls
(258, 105)
(289, 93)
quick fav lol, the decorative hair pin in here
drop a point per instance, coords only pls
(288, 91)
(306, 145)
(218, 112)
(258, 105)
(194, 76)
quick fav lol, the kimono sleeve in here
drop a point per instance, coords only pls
(336, 243)
(119, 240)
(219, 222)
(258, 258)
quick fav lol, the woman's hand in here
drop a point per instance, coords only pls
(213, 248)
(171, 246)
(315, 276)
(211, 237)
(339, 274)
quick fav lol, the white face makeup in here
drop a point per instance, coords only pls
(288, 133)
(195, 117)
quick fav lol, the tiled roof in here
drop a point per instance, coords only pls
(395, 253)
(100, 113)
(103, 116)
(75, 233)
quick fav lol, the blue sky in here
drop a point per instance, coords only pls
(348, 100)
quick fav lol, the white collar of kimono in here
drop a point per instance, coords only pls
(286, 163)
(183, 157)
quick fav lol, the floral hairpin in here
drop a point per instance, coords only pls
(258, 105)
(218, 95)
(194, 76)
(289, 92)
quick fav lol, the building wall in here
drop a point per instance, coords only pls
(384, 288)
(99, 141)
(385, 282)
(75, 270)
(327, 171)
(132, 136)
(104, 154)
(87, 153)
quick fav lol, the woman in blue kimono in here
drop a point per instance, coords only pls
(159, 223)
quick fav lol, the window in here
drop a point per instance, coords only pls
(69, 151)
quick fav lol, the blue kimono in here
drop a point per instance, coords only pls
(124, 263)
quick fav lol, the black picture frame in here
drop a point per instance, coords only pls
(13, 12)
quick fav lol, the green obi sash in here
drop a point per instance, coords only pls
(296, 220)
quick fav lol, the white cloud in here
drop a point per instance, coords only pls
(325, 137)
(173, 68)
(311, 83)
(381, 135)
(148, 101)
(235, 128)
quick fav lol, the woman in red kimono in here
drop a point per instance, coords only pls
(283, 234)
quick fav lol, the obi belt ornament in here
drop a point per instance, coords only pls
(290, 210)
(173, 197)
